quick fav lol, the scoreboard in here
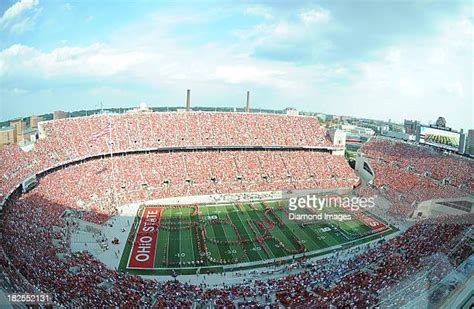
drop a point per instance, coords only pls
(446, 139)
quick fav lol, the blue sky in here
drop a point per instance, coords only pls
(377, 59)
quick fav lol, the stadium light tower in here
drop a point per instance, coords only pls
(188, 100)
(247, 106)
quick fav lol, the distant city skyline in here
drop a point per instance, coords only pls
(112, 110)
(380, 60)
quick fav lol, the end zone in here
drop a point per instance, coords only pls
(143, 252)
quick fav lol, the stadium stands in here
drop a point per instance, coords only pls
(72, 139)
(358, 281)
(407, 174)
(98, 182)
(35, 254)
(423, 160)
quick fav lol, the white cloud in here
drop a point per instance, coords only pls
(420, 80)
(247, 74)
(455, 88)
(17, 9)
(67, 7)
(92, 60)
(270, 33)
(315, 16)
(258, 10)
(393, 55)
(24, 24)
(14, 19)
(14, 91)
(284, 31)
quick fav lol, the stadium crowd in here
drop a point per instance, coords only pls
(98, 186)
(422, 160)
(72, 139)
(79, 280)
(407, 174)
(35, 255)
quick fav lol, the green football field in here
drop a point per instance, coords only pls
(215, 238)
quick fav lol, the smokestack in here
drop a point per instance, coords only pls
(247, 106)
(188, 100)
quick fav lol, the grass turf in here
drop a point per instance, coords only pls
(211, 238)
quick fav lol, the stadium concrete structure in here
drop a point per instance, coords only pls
(204, 195)
(441, 207)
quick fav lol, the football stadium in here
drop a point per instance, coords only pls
(193, 208)
(325, 161)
